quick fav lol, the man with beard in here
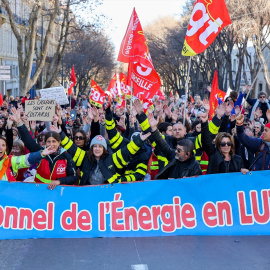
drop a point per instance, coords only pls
(261, 102)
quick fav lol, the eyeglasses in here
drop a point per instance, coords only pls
(262, 97)
(80, 138)
(222, 144)
(179, 150)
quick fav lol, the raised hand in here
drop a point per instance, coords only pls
(240, 120)
(209, 88)
(237, 110)
(16, 114)
(206, 105)
(168, 110)
(220, 110)
(95, 113)
(55, 129)
(137, 105)
(121, 122)
(268, 115)
(158, 106)
(48, 150)
(145, 136)
(229, 108)
(204, 117)
(9, 122)
(131, 120)
(152, 121)
(174, 116)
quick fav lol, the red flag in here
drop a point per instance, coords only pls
(112, 88)
(208, 18)
(214, 96)
(123, 85)
(171, 94)
(97, 96)
(192, 99)
(72, 81)
(121, 103)
(160, 94)
(146, 104)
(1, 99)
(134, 50)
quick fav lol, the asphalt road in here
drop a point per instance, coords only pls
(153, 253)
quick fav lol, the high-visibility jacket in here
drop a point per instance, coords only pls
(112, 166)
(44, 175)
(137, 168)
(153, 167)
(9, 166)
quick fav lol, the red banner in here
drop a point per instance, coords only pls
(146, 81)
(112, 88)
(123, 85)
(72, 81)
(134, 51)
(97, 95)
(214, 96)
(208, 18)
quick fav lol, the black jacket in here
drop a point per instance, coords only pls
(187, 168)
(216, 160)
(112, 166)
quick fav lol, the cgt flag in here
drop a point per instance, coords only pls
(123, 85)
(112, 88)
(134, 50)
(215, 96)
(208, 18)
(72, 81)
(97, 96)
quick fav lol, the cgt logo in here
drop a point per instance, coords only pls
(61, 168)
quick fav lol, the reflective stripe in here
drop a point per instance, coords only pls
(141, 172)
(113, 178)
(117, 143)
(118, 165)
(128, 172)
(65, 141)
(109, 122)
(204, 162)
(77, 154)
(119, 155)
(68, 145)
(130, 178)
(46, 181)
(154, 168)
(143, 165)
(135, 148)
(110, 127)
(198, 158)
(115, 138)
(155, 162)
(161, 158)
(145, 125)
(213, 128)
(204, 170)
(80, 159)
(154, 144)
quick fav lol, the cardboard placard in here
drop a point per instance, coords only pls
(42, 110)
(56, 93)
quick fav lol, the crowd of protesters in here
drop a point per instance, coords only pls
(172, 139)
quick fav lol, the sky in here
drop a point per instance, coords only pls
(147, 10)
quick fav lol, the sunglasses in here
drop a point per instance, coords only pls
(222, 144)
(41, 139)
(80, 138)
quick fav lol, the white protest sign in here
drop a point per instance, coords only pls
(42, 110)
(56, 93)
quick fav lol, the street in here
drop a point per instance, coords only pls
(152, 253)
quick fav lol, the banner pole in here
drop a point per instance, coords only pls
(254, 81)
(189, 65)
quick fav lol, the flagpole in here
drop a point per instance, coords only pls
(189, 65)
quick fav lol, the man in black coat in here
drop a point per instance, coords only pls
(182, 162)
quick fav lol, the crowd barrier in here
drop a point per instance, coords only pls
(221, 204)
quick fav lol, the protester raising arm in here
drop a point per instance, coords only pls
(26, 137)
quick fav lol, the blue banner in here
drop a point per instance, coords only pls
(221, 204)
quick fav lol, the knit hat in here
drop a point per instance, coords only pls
(99, 140)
